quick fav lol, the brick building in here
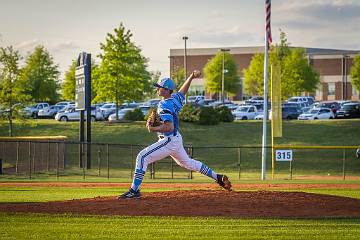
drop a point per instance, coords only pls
(332, 64)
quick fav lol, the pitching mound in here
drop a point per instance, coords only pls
(203, 203)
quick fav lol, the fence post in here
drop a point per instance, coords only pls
(131, 160)
(152, 173)
(344, 160)
(81, 159)
(172, 169)
(239, 161)
(17, 158)
(107, 161)
(191, 148)
(34, 155)
(48, 157)
(64, 153)
(99, 161)
(29, 159)
(291, 170)
(58, 161)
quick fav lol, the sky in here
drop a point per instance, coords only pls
(67, 27)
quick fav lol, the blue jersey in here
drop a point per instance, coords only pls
(169, 109)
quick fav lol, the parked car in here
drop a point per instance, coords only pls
(66, 104)
(32, 111)
(107, 109)
(50, 112)
(130, 105)
(334, 106)
(219, 103)
(245, 112)
(153, 102)
(145, 109)
(121, 114)
(197, 100)
(71, 114)
(317, 113)
(208, 102)
(255, 99)
(4, 112)
(289, 112)
(349, 110)
(298, 105)
(297, 100)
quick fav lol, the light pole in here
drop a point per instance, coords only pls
(185, 56)
(223, 73)
(185, 62)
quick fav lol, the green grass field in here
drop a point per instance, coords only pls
(23, 226)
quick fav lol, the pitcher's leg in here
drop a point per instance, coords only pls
(146, 156)
(183, 160)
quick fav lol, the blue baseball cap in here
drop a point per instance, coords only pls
(167, 83)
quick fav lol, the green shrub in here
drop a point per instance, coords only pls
(134, 115)
(208, 116)
(225, 114)
(189, 113)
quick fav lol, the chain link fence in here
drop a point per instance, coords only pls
(34, 159)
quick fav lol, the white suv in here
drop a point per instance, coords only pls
(71, 114)
(245, 112)
(32, 111)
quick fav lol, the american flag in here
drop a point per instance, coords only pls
(268, 23)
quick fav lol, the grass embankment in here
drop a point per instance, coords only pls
(210, 144)
(324, 133)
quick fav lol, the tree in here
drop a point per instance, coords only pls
(178, 75)
(254, 76)
(68, 86)
(122, 72)
(355, 72)
(297, 75)
(155, 77)
(12, 91)
(41, 76)
(213, 74)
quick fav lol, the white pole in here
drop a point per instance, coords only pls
(222, 78)
(263, 155)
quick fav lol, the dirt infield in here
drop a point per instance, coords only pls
(179, 186)
(247, 204)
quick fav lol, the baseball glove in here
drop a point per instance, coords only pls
(154, 119)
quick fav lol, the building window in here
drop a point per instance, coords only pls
(331, 89)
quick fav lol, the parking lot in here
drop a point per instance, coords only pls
(301, 108)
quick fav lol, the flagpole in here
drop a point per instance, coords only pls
(263, 152)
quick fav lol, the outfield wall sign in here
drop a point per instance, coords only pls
(83, 81)
(283, 155)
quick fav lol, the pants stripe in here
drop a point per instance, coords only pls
(153, 150)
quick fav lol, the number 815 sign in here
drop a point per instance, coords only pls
(283, 155)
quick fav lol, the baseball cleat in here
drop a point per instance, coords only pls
(224, 182)
(130, 194)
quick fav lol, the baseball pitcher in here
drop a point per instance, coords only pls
(170, 142)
